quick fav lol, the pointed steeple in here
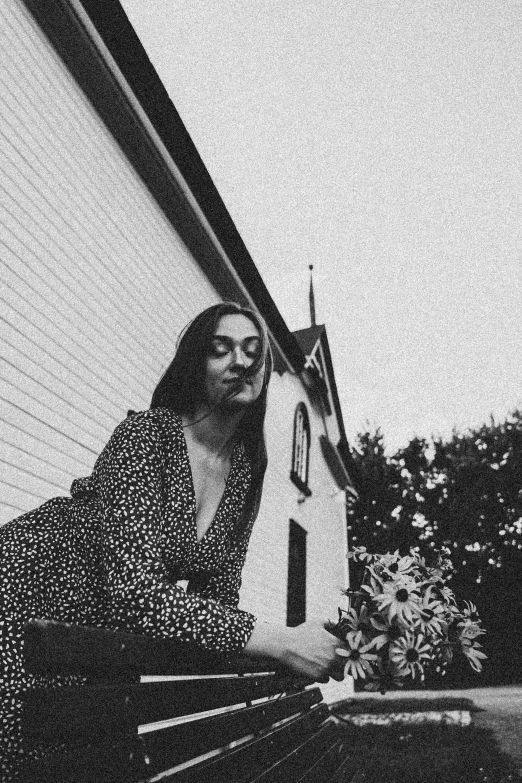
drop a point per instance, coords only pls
(311, 297)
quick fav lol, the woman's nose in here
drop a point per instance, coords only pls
(238, 358)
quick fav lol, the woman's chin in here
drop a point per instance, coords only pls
(243, 399)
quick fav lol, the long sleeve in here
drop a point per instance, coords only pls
(142, 599)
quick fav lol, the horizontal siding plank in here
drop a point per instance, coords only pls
(32, 464)
(7, 512)
(43, 451)
(19, 479)
(37, 348)
(80, 396)
(59, 218)
(35, 291)
(85, 206)
(58, 441)
(137, 221)
(29, 332)
(93, 431)
(21, 498)
(25, 204)
(33, 404)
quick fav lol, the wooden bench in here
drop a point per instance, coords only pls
(143, 715)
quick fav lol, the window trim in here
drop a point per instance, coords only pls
(300, 446)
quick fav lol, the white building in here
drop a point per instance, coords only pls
(112, 238)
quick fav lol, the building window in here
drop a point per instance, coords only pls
(296, 593)
(301, 449)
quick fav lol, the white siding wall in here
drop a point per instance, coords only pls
(95, 287)
(95, 283)
(266, 569)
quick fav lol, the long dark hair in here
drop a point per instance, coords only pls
(181, 387)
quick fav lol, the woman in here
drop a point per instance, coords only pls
(154, 541)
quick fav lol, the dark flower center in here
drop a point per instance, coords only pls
(428, 614)
(355, 655)
(394, 568)
(402, 594)
(412, 656)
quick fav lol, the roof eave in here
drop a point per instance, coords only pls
(121, 40)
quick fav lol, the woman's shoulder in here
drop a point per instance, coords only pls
(154, 416)
(152, 424)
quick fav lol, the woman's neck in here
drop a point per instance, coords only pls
(215, 430)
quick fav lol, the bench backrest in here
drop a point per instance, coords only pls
(155, 709)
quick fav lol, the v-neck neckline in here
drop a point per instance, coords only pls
(192, 490)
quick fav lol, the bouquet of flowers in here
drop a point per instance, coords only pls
(404, 621)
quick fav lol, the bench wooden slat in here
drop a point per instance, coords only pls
(347, 771)
(301, 758)
(113, 762)
(74, 713)
(252, 758)
(172, 746)
(59, 648)
(324, 767)
(133, 759)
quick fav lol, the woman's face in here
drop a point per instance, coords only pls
(234, 347)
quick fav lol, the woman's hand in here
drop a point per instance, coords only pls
(312, 652)
(307, 649)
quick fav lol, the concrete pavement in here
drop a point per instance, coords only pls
(499, 709)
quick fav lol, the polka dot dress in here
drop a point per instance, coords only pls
(111, 554)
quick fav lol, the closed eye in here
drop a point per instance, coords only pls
(221, 345)
(218, 348)
(252, 347)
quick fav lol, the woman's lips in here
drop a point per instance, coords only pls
(237, 381)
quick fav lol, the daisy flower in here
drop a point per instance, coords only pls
(472, 653)
(385, 678)
(452, 612)
(469, 630)
(360, 554)
(409, 653)
(443, 592)
(390, 630)
(420, 562)
(372, 584)
(470, 611)
(397, 566)
(356, 621)
(359, 660)
(431, 619)
(399, 599)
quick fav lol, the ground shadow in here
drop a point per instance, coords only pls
(427, 754)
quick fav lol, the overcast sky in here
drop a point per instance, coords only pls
(380, 141)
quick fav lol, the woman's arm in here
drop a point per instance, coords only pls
(307, 649)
